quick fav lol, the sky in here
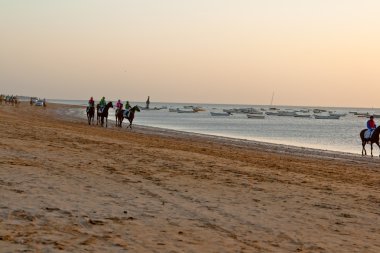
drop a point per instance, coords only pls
(310, 53)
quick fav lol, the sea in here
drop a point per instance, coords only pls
(324, 134)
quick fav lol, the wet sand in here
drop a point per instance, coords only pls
(69, 187)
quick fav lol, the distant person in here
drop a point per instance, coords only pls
(91, 104)
(102, 104)
(44, 102)
(127, 105)
(147, 103)
(371, 126)
(31, 101)
(119, 106)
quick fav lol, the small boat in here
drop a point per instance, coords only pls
(199, 109)
(299, 115)
(220, 114)
(272, 113)
(286, 113)
(185, 111)
(255, 116)
(341, 114)
(173, 109)
(326, 116)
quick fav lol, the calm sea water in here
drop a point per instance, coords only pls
(326, 134)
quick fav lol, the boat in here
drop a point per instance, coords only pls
(185, 111)
(199, 109)
(326, 116)
(220, 114)
(286, 113)
(173, 109)
(255, 116)
(272, 113)
(341, 114)
(299, 115)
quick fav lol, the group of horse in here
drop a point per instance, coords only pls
(9, 99)
(102, 115)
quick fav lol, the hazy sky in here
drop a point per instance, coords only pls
(309, 52)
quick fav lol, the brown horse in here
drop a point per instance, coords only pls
(103, 114)
(374, 139)
(129, 115)
(90, 114)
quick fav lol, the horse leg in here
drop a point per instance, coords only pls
(364, 152)
(371, 149)
(106, 121)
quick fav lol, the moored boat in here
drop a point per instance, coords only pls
(185, 111)
(326, 116)
(255, 116)
(220, 114)
(300, 115)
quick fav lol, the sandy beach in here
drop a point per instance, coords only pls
(66, 186)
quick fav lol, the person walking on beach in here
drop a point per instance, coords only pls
(370, 126)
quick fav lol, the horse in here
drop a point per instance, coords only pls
(104, 113)
(97, 114)
(130, 116)
(117, 112)
(90, 114)
(373, 139)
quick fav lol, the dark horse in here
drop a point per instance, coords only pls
(90, 114)
(130, 115)
(374, 139)
(103, 114)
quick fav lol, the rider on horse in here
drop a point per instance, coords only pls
(102, 103)
(119, 106)
(371, 126)
(91, 104)
(127, 105)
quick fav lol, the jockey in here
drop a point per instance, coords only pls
(91, 102)
(103, 102)
(119, 105)
(127, 105)
(371, 125)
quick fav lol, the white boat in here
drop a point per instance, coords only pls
(255, 116)
(185, 111)
(300, 115)
(287, 113)
(220, 114)
(326, 116)
(341, 114)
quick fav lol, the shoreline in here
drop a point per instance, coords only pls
(245, 143)
(69, 187)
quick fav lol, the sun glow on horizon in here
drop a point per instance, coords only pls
(309, 52)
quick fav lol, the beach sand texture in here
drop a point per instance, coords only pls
(69, 187)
